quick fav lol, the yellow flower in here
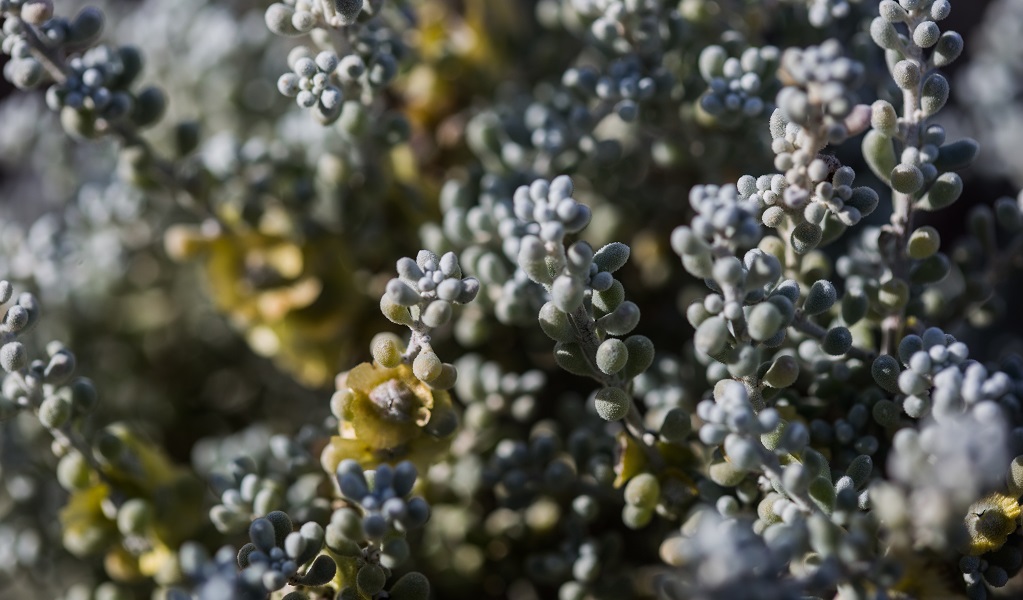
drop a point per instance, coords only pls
(89, 520)
(388, 415)
(990, 521)
(923, 578)
(292, 298)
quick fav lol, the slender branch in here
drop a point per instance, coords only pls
(72, 440)
(55, 64)
(62, 435)
(902, 204)
(51, 60)
(586, 336)
(754, 391)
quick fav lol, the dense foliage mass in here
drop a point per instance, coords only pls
(574, 299)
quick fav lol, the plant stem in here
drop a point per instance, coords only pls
(902, 204)
(55, 64)
(586, 336)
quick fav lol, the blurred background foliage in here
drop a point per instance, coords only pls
(232, 300)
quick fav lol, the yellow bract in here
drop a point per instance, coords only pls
(630, 459)
(89, 518)
(990, 521)
(388, 415)
(293, 299)
(460, 55)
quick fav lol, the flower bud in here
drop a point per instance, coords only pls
(821, 298)
(150, 104)
(13, 356)
(924, 242)
(859, 470)
(643, 491)
(579, 257)
(427, 366)
(609, 299)
(956, 155)
(612, 355)
(621, 320)
(402, 294)
(712, 334)
(532, 258)
(85, 27)
(278, 19)
(879, 152)
(386, 350)
(570, 357)
(641, 355)
(823, 494)
(932, 269)
(556, 324)
(320, 572)
(370, 579)
(884, 119)
(837, 341)
(349, 11)
(885, 370)
(946, 190)
(948, 49)
(765, 320)
(934, 94)
(411, 586)
(805, 237)
(926, 34)
(437, 313)
(612, 403)
(567, 293)
(676, 426)
(612, 257)
(742, 453)
(906, 179)
(55, 411)
(782, 373)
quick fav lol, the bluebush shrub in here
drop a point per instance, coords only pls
(574, 299)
